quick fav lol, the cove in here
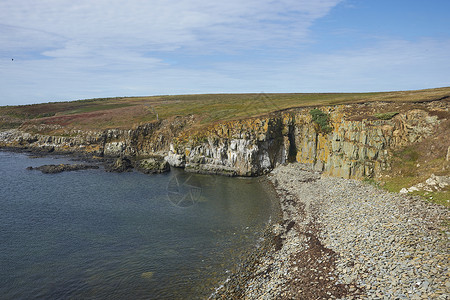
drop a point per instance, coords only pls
(96, 235)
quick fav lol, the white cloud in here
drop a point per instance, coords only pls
(158, 24)
(81, 49)
(389, 65)
(71, 49)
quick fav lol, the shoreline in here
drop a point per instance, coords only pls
(218, 234)
(230, 288)
(74, 155)
(345, 239)
(338, 239)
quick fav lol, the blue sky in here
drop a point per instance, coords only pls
(68, 50)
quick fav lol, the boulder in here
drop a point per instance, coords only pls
(122, 164)
(432, 184)
(153, 165)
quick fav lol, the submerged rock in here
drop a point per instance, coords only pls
(52, 169)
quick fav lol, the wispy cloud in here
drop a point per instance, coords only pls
(69, 49)
(83, 27)
(81, 49)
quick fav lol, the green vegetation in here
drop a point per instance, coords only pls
(9, 125)
(210, 108)
(98, 114)
(386, 116)
(397, 183)
(442, 197)
(321, 119)
(406, 161)
(414, 164)
(371, 181)
(28, 115)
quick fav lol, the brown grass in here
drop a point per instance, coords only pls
(210, 108)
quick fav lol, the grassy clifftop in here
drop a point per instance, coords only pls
(131, 111)
(412, 164)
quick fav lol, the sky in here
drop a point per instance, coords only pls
(60, 50)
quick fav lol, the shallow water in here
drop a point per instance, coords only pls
(96, 235)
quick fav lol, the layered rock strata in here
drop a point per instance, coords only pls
(357, 145)
(352, 149)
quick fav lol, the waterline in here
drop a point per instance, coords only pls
(92, 234)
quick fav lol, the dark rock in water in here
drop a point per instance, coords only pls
(51, 169)
(122, 164)
(153, 165)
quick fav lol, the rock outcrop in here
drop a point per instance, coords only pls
(122, 164)
(52, 169)
(356, 144)
(351, 149)
(432, 184)
(153, 165)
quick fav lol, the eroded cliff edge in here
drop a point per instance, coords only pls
(357, 143)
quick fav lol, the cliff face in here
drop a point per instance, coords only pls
(357, 145)
(352, 149)
(245, 148)
(145, 140)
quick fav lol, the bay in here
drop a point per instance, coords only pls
(96, 235)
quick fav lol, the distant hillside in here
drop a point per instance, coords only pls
(129, 112)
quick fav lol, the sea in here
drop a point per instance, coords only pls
(92, 234)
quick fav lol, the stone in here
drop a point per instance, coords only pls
(122, 164)
(404, 191)
(153, 165)
(252, 147)
(52, 169)
(175, 160)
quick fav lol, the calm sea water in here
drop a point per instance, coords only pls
(97, 235)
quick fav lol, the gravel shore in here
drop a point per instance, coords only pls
(345, 239)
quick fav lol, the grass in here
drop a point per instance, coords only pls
(98, 107)
(104, 113)
(442, 197)
(120, 112)
(386, 116)
(397, 183)
(414, 164)
(405, 161)
(208, 108)
(9, 125)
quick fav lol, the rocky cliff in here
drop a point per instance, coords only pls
(141, 141)
(357, 145)
(359, 140)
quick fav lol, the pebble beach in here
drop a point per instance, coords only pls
(345, 239)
